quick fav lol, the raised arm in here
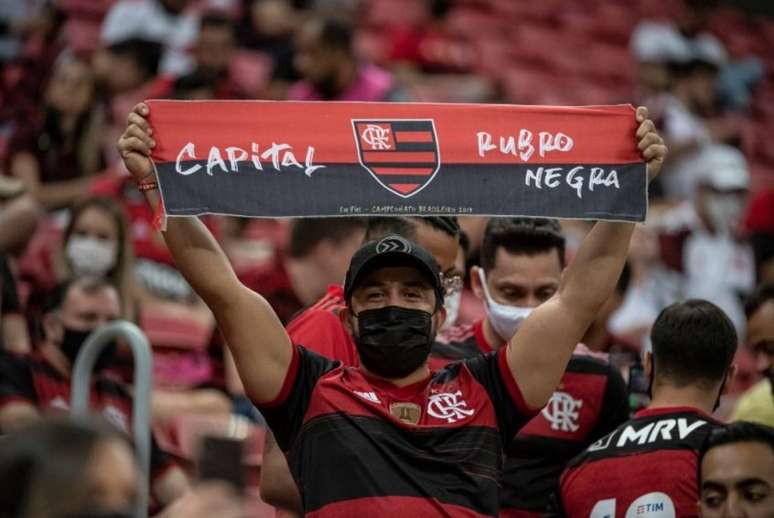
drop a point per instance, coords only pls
(539, 352)
(255, 336)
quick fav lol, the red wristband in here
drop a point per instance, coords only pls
(147, 186)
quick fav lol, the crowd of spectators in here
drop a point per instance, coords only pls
(72, 223)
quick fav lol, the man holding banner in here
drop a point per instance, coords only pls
(350, 451)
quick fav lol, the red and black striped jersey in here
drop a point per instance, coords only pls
(358, 446)
(591, 401)
(645, 468)
(32, 380)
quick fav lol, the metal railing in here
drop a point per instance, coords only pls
(141, 410)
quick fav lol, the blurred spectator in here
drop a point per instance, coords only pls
(214, 51)
(65, 468)
(31, 39)
(13, 327)
(168, 22)
(331, 71)
(759, 225)
(268, 26)
(40, 384)
(19, 215)
(57, 153)
(651, 288)
(700, 238)
(656, 46)
(318, 255)
(95, 242)
(757, 404)
(126, 65)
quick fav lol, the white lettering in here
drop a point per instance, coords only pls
(685, 430)
(526, 149)
(508, 146)
(576, 182)
(309, 166)
(630, 434)
(552, 176)
(289, 159)
(189, 150)
(234, 158)
(534, 175)
(273, 153)
(256, 159)
(214, 159)
(664, 428)
(484, 143)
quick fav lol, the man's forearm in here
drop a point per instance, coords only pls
(592, 275)
(197, 255)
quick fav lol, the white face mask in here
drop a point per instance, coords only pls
(90, 256)
(505, 319)
(723, 211)
(452, 305)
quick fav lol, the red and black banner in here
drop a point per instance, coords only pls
(282, 159)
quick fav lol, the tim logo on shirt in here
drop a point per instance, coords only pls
(401, 154)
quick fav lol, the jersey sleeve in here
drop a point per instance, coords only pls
(286, 413)
(615, 405)
(492, 372)
(323, 332)
(16, 383)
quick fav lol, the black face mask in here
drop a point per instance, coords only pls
(392, 341)
(73, 340)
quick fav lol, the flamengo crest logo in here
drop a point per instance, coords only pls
(449, 406)
(401, 154)
(562, 411)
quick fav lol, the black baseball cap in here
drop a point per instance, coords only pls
(393, 250)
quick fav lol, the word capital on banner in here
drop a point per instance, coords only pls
(296, 159)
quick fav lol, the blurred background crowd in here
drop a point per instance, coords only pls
(70, 71)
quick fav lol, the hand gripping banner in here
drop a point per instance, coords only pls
(282, 159)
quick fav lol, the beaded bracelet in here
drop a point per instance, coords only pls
(147, 186)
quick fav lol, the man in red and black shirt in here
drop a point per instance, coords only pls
(391, 436)
(648, 465)
(319, 327)
(31, 386)
(521, 267)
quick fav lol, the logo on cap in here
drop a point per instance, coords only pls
(393, 244)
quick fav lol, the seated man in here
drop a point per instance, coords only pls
(736, 472)
(40, 384)
(691, 365)
(403, 436)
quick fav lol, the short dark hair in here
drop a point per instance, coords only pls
(759, 297)
(381, 226)
(446, 224)
(307, 233)
(57, 295)
(216, 20)
(145, 53)
(527, 236)
(739, 431)
(336, 34)
(41, 465)
(694, 342)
